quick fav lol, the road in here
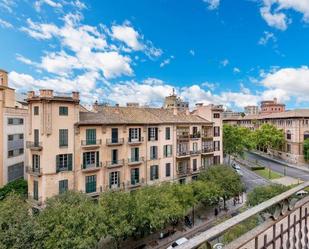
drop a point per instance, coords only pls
(280, 168)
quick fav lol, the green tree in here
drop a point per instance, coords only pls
(185, 195)
(226, 179)
(16, 223)
(306, 149)
(206, 192)
(19, 187)
(269, 137)
(70, 220)
(117, 210)
(264, 193)
(236, 140)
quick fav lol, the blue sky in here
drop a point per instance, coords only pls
(213, 51)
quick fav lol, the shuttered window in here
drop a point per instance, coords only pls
(63, 137)
(63, 186)
(91, 184)
(154, 172)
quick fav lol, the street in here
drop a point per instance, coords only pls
(296, 173)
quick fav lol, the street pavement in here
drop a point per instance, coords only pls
(280, 168)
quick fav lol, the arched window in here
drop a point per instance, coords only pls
(288, 135)
(306, 135)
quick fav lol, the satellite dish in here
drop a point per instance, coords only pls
(218, 246)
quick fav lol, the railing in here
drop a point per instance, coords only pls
(91, 166)
(208, 150)
(183, 171)
(183, 153)
(287, 226)
(34, 145)
(195, 136)
(114, 141)
(195, 152)
(138, 160)
(207, 135)
(114, 163)
(183, 136)
(63, 169)
(33, 171)
(91, 142)
(35, 201)
(135, 140)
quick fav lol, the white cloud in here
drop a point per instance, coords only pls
(38, 4)
(287, 82)
(166, 61)
(272, 12)
(25, 60)
(5, 24)
(7, 5)
(212, 4)
(236, 70)
(192, 52)
(224, 62)
(267, 36)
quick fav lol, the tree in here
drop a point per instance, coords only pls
(264, 193)
(236, 139)
(226, 179)
(306, 149)
(206, 192)
(16, 224)
(185, 195)
(19, 187)
(269, 137)
(116, 209)
(70, 220)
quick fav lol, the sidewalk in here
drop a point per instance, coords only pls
(305, 169)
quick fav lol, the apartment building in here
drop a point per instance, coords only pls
(251, 110)
(13, 120)
(294, 123)
(115, 147)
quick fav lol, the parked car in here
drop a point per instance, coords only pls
(178, 243)
(236, 166)
(302, 193)
(239, 172)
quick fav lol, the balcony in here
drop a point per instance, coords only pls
(36, 146)
(135, 141)
(207, 136)
(63, 169)
(195, 136)
(183, 171)
(195, 152)
(90, 144)
(33, 171)
(115, 163)
(114, 141)
(284, 225)
(94, 192)
(135, 161)
(207, 150)
(91, 167)
(182, 154)
(35, 202)
(183, 137)
(134, 185)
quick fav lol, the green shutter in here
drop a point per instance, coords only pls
(84, 160)
(69, 161)
(97, 159)
(57, 163)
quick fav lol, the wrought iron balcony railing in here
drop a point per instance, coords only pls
(183, 153)
(91, 166)
(33, 171)
(133, 141)
(115, 163)
(286, 227)
(208, 150)
(34, 145)
(114, 141)
(135, 161)
(91, 142)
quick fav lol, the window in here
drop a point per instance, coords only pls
(135, 154)
(194, 165)
(114, 156)
(134, 134)
(194, 130)
(63, 137)
(114, 135)
(63, 111)
(134, 176)
(63, 186)
(114, 179)
(35, 190)
(152, 134)
(91, 136)
(15, 121)
(306, 135)
(167, 169)
(36, 110)
(167, 150)
(35, 162)
(154, 172)
(153, 152)
(288, 148)
(15, 152)
(167, 133)
(195, 147)
(91, 159)
(217, 160)
(15, 171)
(216, 115)
(288, 135)
(91, 184)
(36, 137)
(216, 131)
(64, 162)
(216, 145)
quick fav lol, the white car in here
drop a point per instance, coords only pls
(236, 167)
(239, 172)
(178, 242)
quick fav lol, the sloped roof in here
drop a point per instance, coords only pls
(137, 115)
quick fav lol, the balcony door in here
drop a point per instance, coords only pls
(134, 154)
(36, 137)
(114, 156)
(91, 136)
(114, 135)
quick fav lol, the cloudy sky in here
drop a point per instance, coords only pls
(213, 51)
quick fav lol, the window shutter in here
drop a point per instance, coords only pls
(156, 132)
(139, 133)
(149, 134)
(118, 180)
(57, 163)
(69, 161)
(97, 158)
(84, 160)
(132, 176)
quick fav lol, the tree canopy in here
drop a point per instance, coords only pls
(269, 137)
(19, 186)
(306, 149)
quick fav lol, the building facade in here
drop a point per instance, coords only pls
(251, 110)
(13, 120)
(295, 125)
(115, 147)
(271, 106)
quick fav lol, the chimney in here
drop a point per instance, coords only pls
(30, 94)
(3, 78)
(116, 105)
(95, 106)
(275, 100)
(75, 96)
(46, 93)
